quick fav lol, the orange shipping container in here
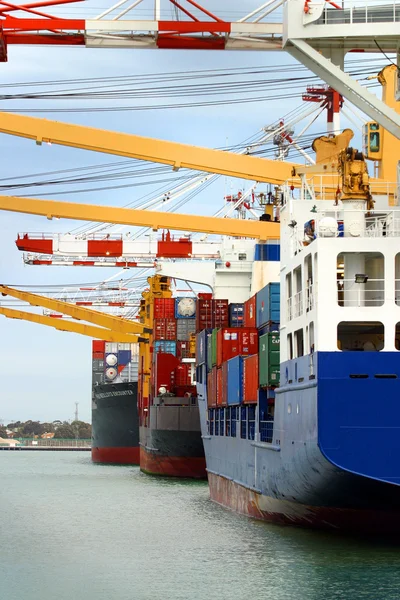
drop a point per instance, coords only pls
(219, 387)
(250, 378)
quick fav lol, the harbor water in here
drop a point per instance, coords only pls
(72, 530)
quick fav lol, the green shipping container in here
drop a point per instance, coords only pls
(209, 352)
(269, 359)
(214, 347)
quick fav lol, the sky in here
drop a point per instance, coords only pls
(44, 371)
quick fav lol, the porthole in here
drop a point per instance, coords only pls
(289, 409)
(297, 409)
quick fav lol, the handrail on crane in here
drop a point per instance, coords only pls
(114, 324)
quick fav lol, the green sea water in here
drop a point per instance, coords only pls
(71, 530)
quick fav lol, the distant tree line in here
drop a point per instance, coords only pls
(61, 429)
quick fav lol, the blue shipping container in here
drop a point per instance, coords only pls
(166, 346)
(268, 304)
(236, 314)
(201, 346)
(268, 327)
(186, 310)
(234, 383)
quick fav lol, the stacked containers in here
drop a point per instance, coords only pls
(164, 308)
(165, 329)
(165, 346)
(250, 379)
(184, 329)
(202, 339)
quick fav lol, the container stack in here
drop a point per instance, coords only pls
(240, 363)
(173, 346)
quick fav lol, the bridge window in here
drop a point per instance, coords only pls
(360, 336)
(360, 278)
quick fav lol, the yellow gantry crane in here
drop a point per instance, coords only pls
(109, 328)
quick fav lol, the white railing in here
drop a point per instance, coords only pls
(309, 297)
(289, 308)
(354, 295)
(361, 12)
(298, 304)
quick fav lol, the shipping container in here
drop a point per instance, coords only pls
(204, 314)
(165, 346)
(165, 329)
(236, 315)
(224, 391)
(98, 355)
(214, 347)
(210, 396)
(183, 350)
(163, 372)
(250, 378)
(192, 344)
(234, 380)
(124, 357)
(184, 329)
(269, 359)
(219, 386)
(250, 312)
(268, 328)
(209, 352)
(182, 375)
(164, 308)
(269, 251)
(98, 346)
(212, 387)
(268, 304)
(205, 296)
(234, 341)
(220, 313)
(185, 308)
(202, 346)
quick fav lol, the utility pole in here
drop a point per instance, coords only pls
(76, 411)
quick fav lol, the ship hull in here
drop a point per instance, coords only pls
(332, 461)
(171, 446)
(115, 424)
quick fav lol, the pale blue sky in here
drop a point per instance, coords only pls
(44, 371)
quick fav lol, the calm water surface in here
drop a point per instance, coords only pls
(70, 530)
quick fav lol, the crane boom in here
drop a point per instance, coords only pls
(144, 148)
(115, 324)
(148, 218)
(71, 326)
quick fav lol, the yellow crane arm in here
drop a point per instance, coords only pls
(80, 313)
(71, 326)
(145, 148)
(148, 218)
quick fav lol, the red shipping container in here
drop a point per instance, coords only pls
(183, 350)
(204, 296)
(98, 346)
(232, 341)
(250, 378)
(164, 308)
(204, 312)
(98, 355)
(209, 389)
(164, 329)
(182, 375)
(250, 312)
(163, 372)
(183, 390)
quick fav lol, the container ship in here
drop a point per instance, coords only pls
(170, 434)
(115, 419)
(299, 403)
